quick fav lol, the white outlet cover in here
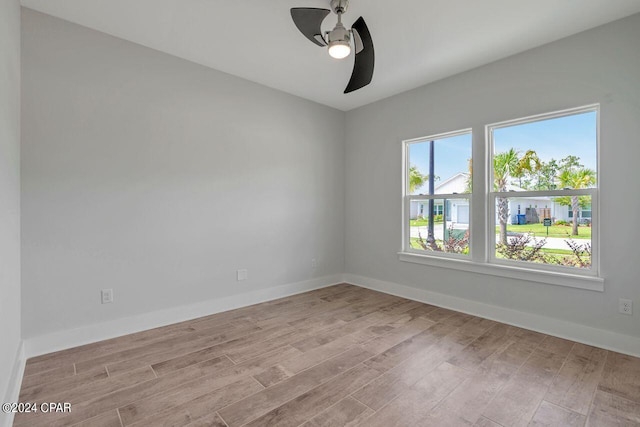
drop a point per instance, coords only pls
(625, 306)
(106, 296)
(242, 274)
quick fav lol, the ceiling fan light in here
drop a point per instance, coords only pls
(339, 49)
(339, 41)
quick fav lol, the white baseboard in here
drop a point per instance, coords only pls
(97, 332)
(101, 331)
(15, 381)
(608, 340)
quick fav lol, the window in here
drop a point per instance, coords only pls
(537, 199)
(437, 186)
(548, 165)
(582, 213)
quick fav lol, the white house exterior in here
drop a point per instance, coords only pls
(457, 210)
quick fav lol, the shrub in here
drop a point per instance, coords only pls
(455, 243)
(517, 249)
(581, 254)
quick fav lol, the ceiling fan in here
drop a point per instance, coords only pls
(308, 20)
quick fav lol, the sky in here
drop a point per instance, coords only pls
(450, 154)
(553, 138)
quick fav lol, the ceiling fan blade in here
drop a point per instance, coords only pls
(308, 21)
(365, 57)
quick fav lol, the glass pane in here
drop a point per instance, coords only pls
(445, 230)
(451, 166)
(547, 230)
(549, 154)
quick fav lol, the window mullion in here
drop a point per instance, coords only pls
(478, 197)
(548, 193)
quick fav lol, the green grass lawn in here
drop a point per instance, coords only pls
(556, 251)
(421, 222)
(414, 243)
(562, 231)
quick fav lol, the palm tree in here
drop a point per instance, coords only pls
(576, 179)
(416, 179)
(469, 182)
(506, 165)
(503, 166)
(528, 164)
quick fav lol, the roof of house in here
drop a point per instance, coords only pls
(458, 182)
(461, 177)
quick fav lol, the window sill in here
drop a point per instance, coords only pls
(552, 278)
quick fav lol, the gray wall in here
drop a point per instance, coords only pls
(160, 178)
(600, 65)
(9, 190)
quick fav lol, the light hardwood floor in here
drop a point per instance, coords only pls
(339, 356)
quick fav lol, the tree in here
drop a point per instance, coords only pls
(547, 175)
(527, 165)
(510, 164)
(469, 182)
(571, 162)
(576, 178)
(416, 179)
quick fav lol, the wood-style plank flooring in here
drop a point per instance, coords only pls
(338, 356)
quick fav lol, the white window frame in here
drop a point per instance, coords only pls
(593, 192)
(407, 198)
(482, 260)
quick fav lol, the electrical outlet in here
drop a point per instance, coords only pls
(106, 296)
(625, 306)
(242, 274)
(314, 263)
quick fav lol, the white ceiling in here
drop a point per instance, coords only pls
(416, 41)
